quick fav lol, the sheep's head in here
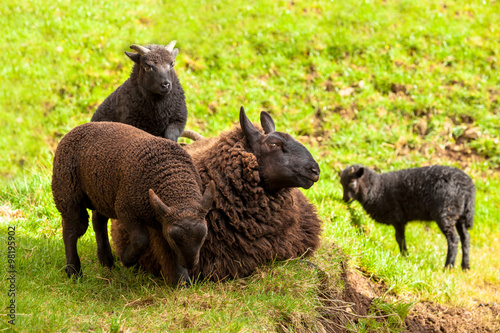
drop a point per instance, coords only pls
(154, 66)
(184, 229)
(283, 161)
(351, 179)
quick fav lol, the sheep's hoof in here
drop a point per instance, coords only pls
(73, 273)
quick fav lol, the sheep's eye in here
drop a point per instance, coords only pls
(274, 145)
(148, 68)
(172, 64)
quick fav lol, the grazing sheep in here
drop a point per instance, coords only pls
(152, 99)
(258, 214)
(434, 193)
(119, 171)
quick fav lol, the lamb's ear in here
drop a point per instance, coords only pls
(208, 196)
(135, 57)
(175, 52)
(360, 172)
(267, 122)
(159, 206)
(249, 130)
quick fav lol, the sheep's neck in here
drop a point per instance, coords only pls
(371, 188)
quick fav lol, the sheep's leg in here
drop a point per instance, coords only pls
(447, 226)
(75, 224)
(465, 240)
(100, 224)
(139, 242)
(400, 238)
(174, 130)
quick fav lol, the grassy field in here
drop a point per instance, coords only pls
(389, 84)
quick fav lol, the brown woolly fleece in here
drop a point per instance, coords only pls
(118, 175)
(247, 225)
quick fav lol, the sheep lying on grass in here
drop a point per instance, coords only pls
(152, 99)
(258, 214)
(119, 171)
(435, 193)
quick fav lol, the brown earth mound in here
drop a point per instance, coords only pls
(342, 311)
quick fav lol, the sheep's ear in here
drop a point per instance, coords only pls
(159, 207)
(175, 52)
(249, 130)
(267, 122)
(340, 170)
(135, 57)
(208, 196)
(360, 172)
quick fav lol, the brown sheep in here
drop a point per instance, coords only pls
(119, 171)
(258, 214)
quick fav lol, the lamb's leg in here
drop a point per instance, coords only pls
(100, 224)
(465, 240)
(174, 130)
(400, 238)
(139, 242)
(447, 226)
(75, 223)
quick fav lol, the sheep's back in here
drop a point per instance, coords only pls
(117, 164)
(425, 193)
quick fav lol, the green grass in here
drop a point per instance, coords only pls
(389, 84)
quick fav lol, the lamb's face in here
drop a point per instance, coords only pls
(185, 229)
(186, 238)
(157, 71)
(350, 179)
(155, 68)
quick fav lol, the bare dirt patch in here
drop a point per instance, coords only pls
(357, 298)
(430, 317)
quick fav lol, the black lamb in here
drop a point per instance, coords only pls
(434, 193)
(152, 98)
(119, 171)
(258, 214)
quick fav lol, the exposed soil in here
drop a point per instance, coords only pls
(430, 317)
(359, 293)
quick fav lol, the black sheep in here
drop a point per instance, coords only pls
(152, 98)
(119, 171)
(258, 214)
(434, 193)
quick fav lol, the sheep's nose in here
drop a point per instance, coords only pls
(314, 170)
(165, 85)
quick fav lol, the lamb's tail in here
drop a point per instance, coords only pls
(470, 203)
(192, 135)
